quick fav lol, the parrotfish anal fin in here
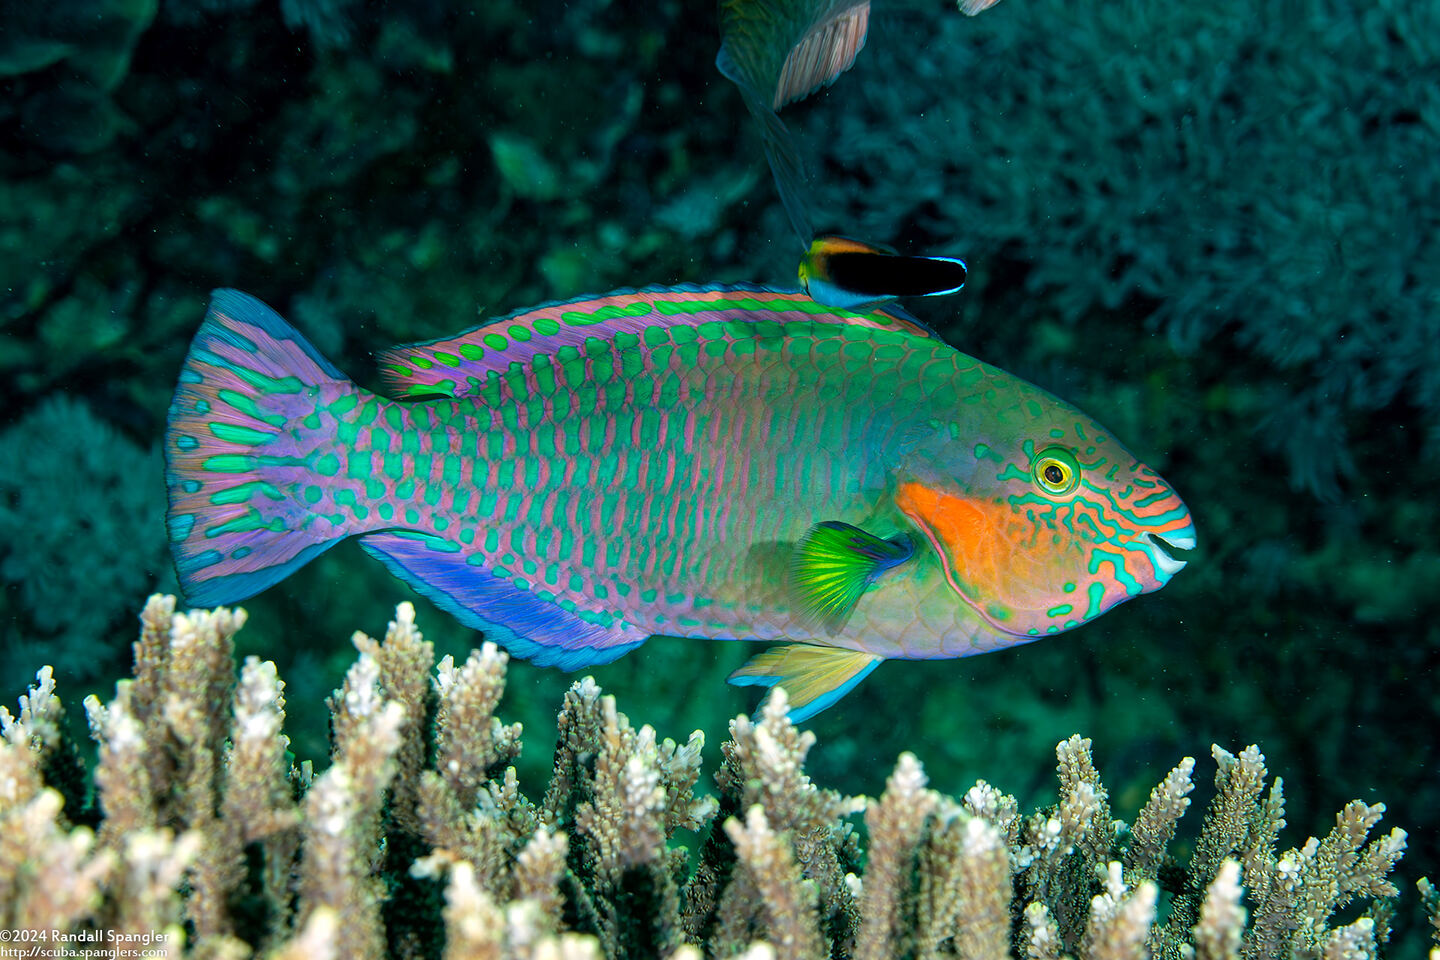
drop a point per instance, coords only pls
(834, 564)
(473, 362)
(813, 677)
(522, 623)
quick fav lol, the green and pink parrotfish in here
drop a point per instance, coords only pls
(726, 462)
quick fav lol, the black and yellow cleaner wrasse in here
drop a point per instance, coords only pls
(780, 51)
(854, 275)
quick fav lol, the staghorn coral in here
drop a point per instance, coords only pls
(417, 841)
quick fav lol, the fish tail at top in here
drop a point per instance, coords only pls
(781, 152)
(250, 444)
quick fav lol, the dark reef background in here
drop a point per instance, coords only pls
(1215, 227)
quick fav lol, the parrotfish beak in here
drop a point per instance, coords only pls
(1162, 551)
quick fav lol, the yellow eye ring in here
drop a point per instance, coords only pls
(1056, 471)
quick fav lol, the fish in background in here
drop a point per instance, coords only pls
(711, 462)
(859, 276)
(777, 52)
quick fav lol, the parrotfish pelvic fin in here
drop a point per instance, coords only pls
(834, 564)
(854, 275)
(813, 677)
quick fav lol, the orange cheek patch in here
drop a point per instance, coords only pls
(966, 533)
(992, 555)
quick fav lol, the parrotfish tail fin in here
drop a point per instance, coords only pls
(972, 7)
(251, 432)
(780, 152)
(780, 51)
(813, 677)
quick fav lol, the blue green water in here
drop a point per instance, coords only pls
(1213, 227)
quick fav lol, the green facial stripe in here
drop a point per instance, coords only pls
(1097, 594)
(1099, 557)
(1012, 472)
(984, 452)
(1156, 496)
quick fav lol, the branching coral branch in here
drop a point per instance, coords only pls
(389, 854)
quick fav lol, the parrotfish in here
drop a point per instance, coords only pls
(717, 462)
(780, 51)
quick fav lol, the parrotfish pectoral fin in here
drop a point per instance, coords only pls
(854, 275)
(832, 566)
(813, 677)
(243, 413)
(519, 621)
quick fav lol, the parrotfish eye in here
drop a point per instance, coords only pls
(1056, 471)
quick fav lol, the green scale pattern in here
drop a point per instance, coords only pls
(651, 480)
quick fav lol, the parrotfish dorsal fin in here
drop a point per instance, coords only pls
(813, 677)
(463, 365)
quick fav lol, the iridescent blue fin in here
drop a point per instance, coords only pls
(522, 623)
(813, 677)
